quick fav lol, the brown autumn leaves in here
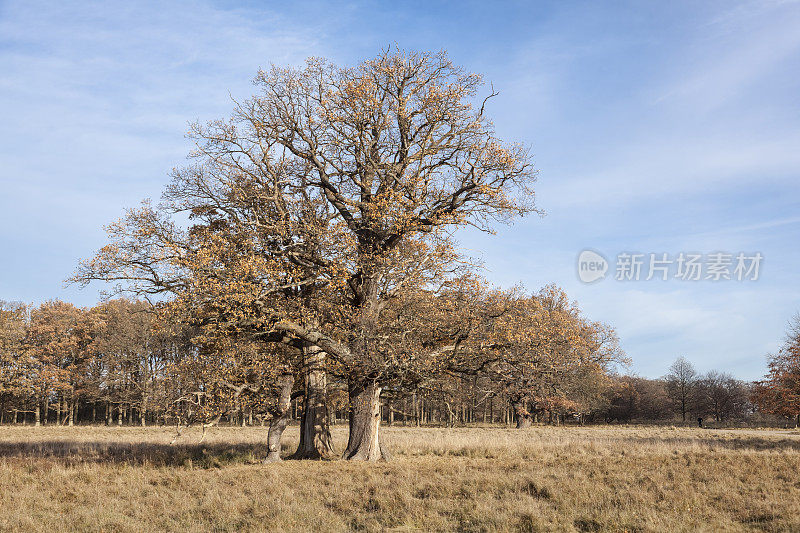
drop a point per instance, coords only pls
(312, 236)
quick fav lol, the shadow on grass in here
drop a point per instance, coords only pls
(212, 455)
(219, 454)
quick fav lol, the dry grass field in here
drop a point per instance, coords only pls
(476, 479)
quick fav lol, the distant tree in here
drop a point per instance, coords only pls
(681, 383)
(723, 396)
(129, 356)
(541, 354)
(57, 351)
(636, 398)
(655, 403)
(779, 392)
(13, 324)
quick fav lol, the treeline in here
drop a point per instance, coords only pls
(682, 395)
(685, 395)
(63, 364)
(115, 364)
(121, 363)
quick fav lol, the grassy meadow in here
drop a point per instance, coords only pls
(464, 479)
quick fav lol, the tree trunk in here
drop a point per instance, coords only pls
(315, 435)
(364, 443)
(71, 407)
(38, 414)
(280, 419)
(523, 416)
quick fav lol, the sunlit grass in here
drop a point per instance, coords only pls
(467, 479)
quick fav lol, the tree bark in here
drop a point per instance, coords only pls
(280, 419)
(523, 416)
(315, 435)
(364, 442)
(415, 407)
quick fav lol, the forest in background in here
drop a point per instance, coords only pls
(112, 364)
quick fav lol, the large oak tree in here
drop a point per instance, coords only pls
(326, 199)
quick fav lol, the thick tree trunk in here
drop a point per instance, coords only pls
(523, 416)
(315, 435)
(365, 420)
(280, 419)
(38, 415)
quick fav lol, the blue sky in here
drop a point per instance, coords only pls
(656, 127)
